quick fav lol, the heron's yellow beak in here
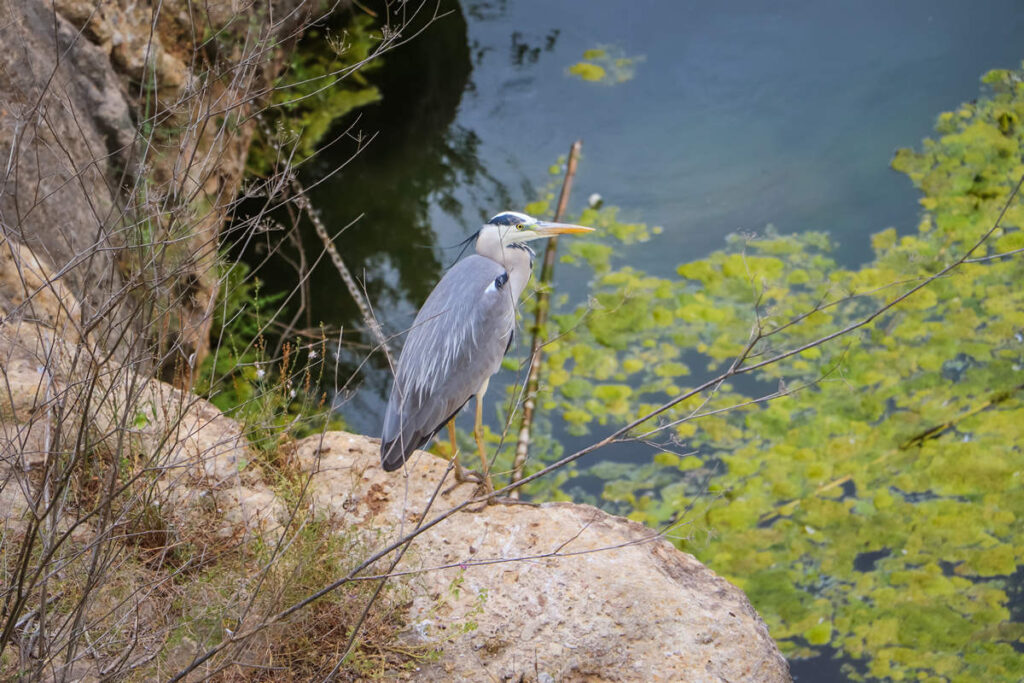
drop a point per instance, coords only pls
(546, 228)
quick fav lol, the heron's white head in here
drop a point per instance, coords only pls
(504, 239)
(511, 227)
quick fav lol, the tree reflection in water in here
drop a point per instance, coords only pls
(417, 159)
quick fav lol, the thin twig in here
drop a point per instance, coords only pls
(300, 199)
(346, 275)
(540, 320)
(992, 257)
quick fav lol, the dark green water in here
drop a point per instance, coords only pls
(740, 114)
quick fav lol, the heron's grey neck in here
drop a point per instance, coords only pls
(516, 259)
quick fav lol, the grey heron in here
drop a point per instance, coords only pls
(460, 335)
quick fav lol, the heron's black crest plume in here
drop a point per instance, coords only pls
(464, 244)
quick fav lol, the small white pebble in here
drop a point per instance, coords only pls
(594, 200)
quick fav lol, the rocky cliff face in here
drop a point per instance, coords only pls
(124, 129)
(553, 592)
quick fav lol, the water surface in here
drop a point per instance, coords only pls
(740, 114)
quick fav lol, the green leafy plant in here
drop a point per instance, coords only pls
(865, 493)
(321, 84)
(276, 398)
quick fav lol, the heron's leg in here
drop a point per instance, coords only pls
(461, 476)
(478, 433)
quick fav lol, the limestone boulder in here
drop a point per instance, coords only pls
(558, 592)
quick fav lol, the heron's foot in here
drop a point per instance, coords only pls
(508, 500)
(464, 476)
(484, 488)
(501, 500)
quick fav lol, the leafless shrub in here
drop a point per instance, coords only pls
(137, 521)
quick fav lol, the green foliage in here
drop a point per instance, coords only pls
(323, 82)
(605, 64)
(874, 506)
(275, 398)
(228, 376)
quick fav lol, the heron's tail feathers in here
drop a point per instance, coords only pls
(392, 455)
(395, 452)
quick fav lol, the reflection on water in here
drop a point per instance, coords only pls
(740, 114)
(411, 157)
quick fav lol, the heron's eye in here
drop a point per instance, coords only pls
(519, 226)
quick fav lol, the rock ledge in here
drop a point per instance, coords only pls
(598, 599)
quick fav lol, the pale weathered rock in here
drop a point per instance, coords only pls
(206, 472)
(619, 604)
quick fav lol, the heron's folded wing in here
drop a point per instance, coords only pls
(455, 344)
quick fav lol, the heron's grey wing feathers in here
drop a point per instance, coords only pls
(456, 342)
